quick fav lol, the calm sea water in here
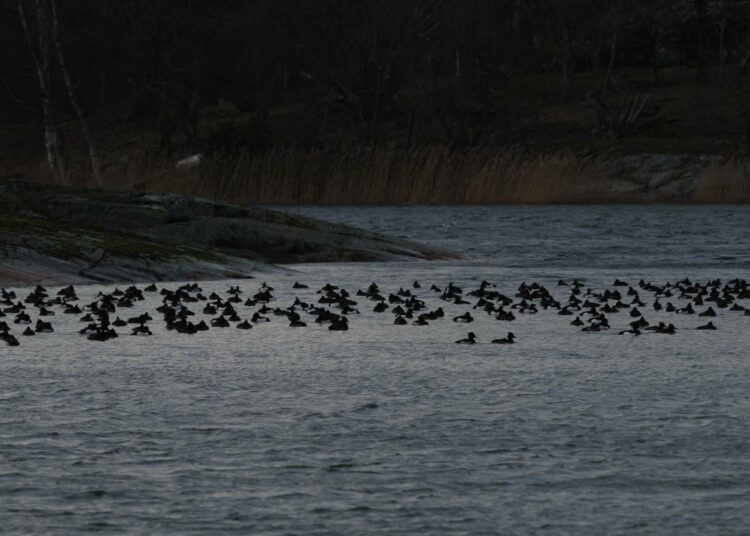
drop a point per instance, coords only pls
(389, 429)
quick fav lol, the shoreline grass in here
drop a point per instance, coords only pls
(390, 175)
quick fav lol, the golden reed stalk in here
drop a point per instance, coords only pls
(434, 174)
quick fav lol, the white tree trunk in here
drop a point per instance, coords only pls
(40, 54)
(85, 128)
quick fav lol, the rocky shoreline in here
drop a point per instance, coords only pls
(57, 235)
(649, 178)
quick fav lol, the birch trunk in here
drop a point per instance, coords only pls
(40, 55)
(69, 86)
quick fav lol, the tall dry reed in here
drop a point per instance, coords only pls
(724, 182)
(434, 174)
(382, 175)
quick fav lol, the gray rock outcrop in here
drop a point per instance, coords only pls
(54, 234)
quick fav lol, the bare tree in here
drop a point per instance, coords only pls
(42, 35)
(39, 48)
(74, 102)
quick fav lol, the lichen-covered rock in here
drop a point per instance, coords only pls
(57, 235)
(36, 250)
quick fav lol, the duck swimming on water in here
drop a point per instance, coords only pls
(43, 327)
(634, 331)
(339, 324)
(470, 339)
(220, 322)
(296, 322)
(141, 331)
(509, 339)
(9, 339)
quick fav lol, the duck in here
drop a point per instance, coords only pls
(509, 339)
(220, 322)
(14, 308)
(22, 318)
(466, 318)
(634, 331)
(43, 327)
(91, 328)
(398, 311)
(505, 316)
(184, 327)
(668, 330)
(257, 317)
(298, 285)
(339, 324)
(421, 321)
(244, 325)
(709, 326)
(102, 335)
(10, 340)
(142, 319)
(141, 331)
(470, 339)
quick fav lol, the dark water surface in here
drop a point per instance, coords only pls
(389, 429)
(613, 237)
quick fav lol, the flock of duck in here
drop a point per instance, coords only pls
(334, 306)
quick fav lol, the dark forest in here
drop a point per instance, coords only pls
(111, 92)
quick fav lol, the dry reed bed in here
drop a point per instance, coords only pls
(359, 175)
(724, 182)
(420, 175)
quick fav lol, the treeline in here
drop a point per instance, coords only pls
(236, 75)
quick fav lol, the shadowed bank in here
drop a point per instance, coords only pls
(382, 101)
